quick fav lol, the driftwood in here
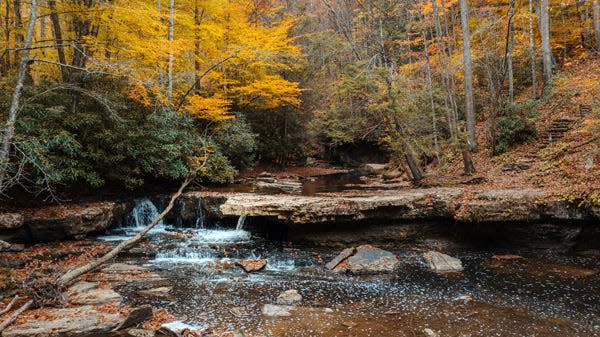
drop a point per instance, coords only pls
(68, 278)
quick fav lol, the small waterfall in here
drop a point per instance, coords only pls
(200, 217)
(142, 214)
(240, 223)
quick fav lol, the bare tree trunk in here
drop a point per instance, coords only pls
(468, 162)
(430, 89)
(509, 57)
(60, 49)
(413, 164)
(171, 55)
(546, 49)
(68, 277)
(470, 109)
(9, 131)
(6, 61)
(532, 53)
(18, 21)
(596, 10)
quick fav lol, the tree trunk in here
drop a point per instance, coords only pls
(6, 61)
(9, 131)
(171, 55)
(470, 109)
(18, 21)
(468, 162)
(60, 49)
(546, 49)
(509, 58)
(532, 53)
(436, 144)
(413, 164)
(596, 10)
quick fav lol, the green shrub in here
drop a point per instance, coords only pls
(515, 126)
(237, 142)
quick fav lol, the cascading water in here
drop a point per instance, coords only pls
(240, 223)
(140, 216)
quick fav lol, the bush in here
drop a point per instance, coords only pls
(515, 126)
(98, 135)
(237, 142)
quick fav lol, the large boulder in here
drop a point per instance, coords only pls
(272, 310)
(71, 221)
(67, 322)
(442, 263)
(366, 259)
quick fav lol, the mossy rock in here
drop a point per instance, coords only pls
(6, 279)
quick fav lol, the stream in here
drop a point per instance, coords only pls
(539, 293)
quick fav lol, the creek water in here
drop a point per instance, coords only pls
(542, 293)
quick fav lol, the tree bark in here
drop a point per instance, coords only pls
(171, 55)
(470, 109)
(596, 15)
(532, 53)
(468, 162)
(9, 131)
(18, 21)
(436, 144)
(509, 58)
(413, 165)
(546, 49)
(60, 49)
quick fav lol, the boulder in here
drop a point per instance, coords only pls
(369, 259)
(365, 259)
(372, 169)
(136, 316)
(124, 268)
(289, 297)
(67, 322)
(442, 263)
(272, 310)
(250, 266)
(11, 220)
(95, 296)
(69, 221)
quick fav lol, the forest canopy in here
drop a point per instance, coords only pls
(124, 92)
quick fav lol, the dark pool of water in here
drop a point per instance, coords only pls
(542, 294)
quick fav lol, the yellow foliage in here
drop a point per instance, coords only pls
(214, 109)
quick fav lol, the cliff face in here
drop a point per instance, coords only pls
(403, 206)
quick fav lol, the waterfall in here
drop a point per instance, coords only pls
(142, 214)
(240, 223)
(200, 217)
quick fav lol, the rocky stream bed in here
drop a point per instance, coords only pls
(414, 262)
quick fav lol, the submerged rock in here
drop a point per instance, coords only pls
(442, 263)
(364, 259)
(273, 310)
(67, 322)
(250, 266)
(289, 297)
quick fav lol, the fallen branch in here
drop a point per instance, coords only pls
(71, 275)
(68, 277)
(9, 305)
(14, 315)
